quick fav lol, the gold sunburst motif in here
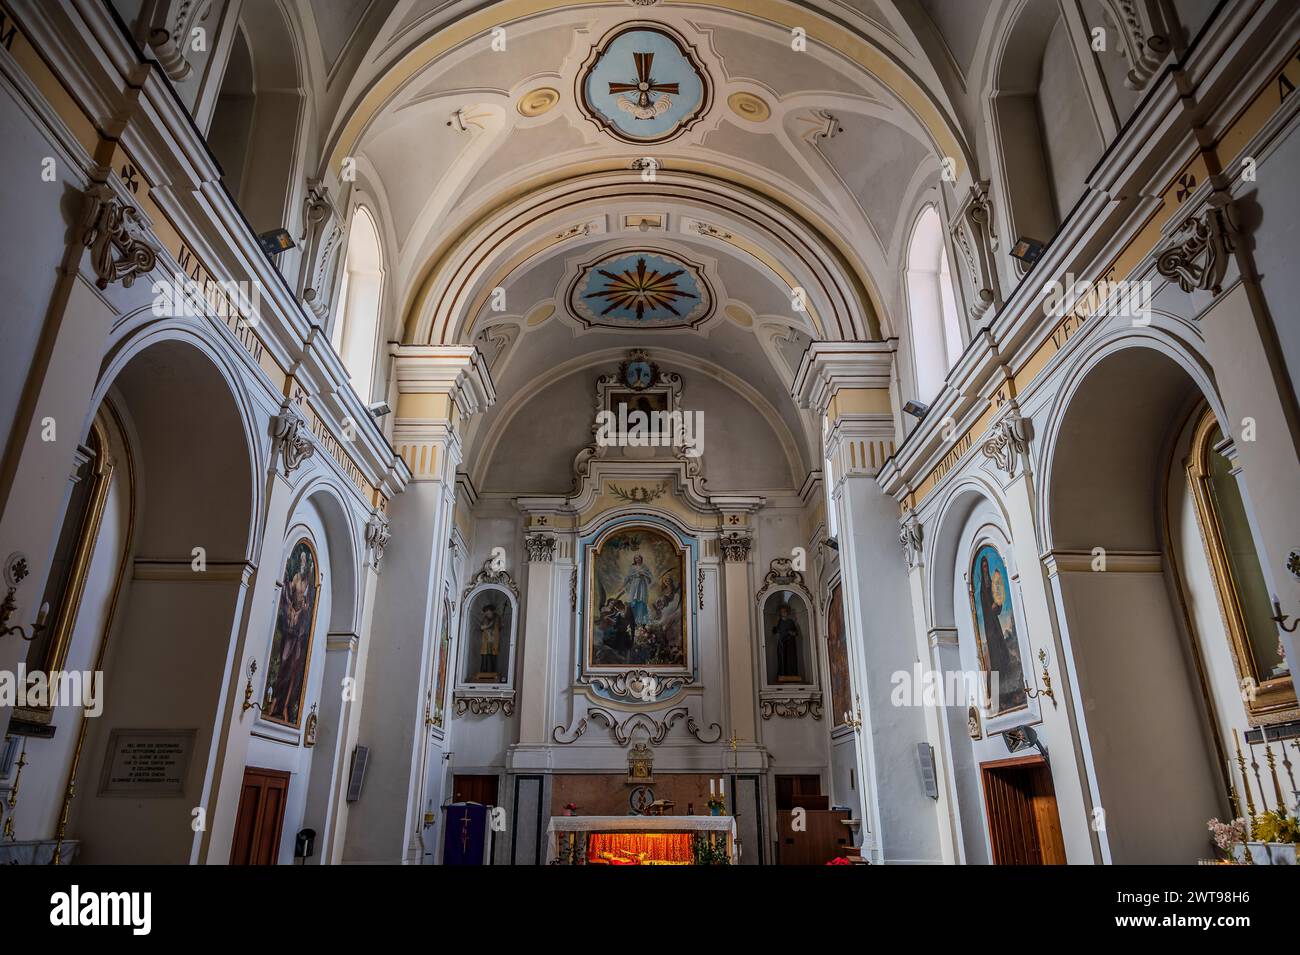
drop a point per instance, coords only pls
(642, 289)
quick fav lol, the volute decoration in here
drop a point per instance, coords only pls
(639, 685)
(377, 536)
(1009, 441)
(781, 573)
(1198, 260)
(484, 705)
(115, 235)
(911, 537)
(541, 548)
(735, 547)
(491, 573)
(791, 709)
(289, 431)
(657, 730)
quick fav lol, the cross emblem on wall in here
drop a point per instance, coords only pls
(644, 107)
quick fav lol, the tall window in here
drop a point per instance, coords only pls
(936, 330)
(356, 330)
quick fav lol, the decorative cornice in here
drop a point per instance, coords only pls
(639, 685)
(115, 234)
(827, 366)
(735, 547)
(377, 536)
(781, 573)
(291, 437)
(541, 548)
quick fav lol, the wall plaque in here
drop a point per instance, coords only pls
(147, 762)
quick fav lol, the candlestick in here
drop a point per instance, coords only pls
(1245, 781)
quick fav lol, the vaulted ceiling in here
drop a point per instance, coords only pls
(727, 180)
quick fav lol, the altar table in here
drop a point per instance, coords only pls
(655, 840)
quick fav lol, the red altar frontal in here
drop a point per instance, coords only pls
(641, 840)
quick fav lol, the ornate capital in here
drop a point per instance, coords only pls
(541, 548)
(115, 235)
(1198, 258)
(290, 434)
(1009, 441)
(911, 536)
(735, 548)
(377, 535)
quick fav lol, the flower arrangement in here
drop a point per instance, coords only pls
(716, 805)
(1228, 834)
(1274, 825)
(571, 809)
(839, 860)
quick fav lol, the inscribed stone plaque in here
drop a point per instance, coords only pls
(147, 762)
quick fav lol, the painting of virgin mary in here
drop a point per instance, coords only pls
(286, 675)
(995, 629)
(636, 604)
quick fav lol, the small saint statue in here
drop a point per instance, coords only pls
(489, 629)
(786, 632)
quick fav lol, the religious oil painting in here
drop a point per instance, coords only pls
(837, 652)
(444, 652)
(286, 674)
(995, 629)
(636, 605)
(786, 632)
(488, 622)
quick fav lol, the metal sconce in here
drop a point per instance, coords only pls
(1281, 618)
(1045, 678)
(248, 691)
(854, 718)
(15, 573)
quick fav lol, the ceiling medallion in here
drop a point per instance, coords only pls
(641, 289)
(642, 84)
(538, 101)
(749, 107)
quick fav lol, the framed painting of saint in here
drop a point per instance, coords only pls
(489, 637)
(837, 654)
(786, 633)
(637, 610)
(295, 617)
(996, 636)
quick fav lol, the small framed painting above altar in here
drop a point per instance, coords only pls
(641, 840)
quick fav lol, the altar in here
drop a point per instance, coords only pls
(641, 840)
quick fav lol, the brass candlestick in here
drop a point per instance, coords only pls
(12, 802)
(1245, 781)
(1277, 786)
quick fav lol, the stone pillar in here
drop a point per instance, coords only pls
(1061, 725)
(848, 383)
(1257, 392)
(437, 387)
(532, 682)
(741, 656)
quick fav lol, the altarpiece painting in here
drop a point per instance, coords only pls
(636, 603)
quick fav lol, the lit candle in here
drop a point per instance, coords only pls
(711, 792)
(722, 786)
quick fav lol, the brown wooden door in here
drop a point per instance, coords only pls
(480, 789)
(261, 817)
(1024, 827)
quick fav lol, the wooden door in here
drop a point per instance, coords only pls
(1024, 826)
(261, 817)
(474, 788)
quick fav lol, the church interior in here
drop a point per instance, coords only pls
(649, 432)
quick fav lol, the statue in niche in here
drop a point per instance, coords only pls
(787, 635)
(785, 621)
(489, 629)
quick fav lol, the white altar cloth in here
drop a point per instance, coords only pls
(564, 824)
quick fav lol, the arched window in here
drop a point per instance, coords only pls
(935, 327)
(356, 328)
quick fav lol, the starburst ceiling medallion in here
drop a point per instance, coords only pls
(642, 84)
(641, 289)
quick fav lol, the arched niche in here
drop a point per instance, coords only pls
(489, 625)
(182, 602)
(1143, 712)
(787, 629)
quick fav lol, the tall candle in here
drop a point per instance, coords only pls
(711, 791)
(722, 786)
